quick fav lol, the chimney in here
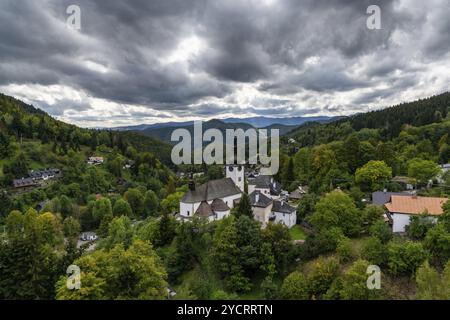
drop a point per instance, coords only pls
(271, 180)
(384, 190)
(192, 185)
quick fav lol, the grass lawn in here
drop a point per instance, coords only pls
(297, 233)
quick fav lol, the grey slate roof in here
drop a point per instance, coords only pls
(219, 205)
(296, 194)
(282, 206)
(266, 182)
(24, 182)
(211, 190)
(204, 210)
(263, 201)
(39, 174)
(380, 197)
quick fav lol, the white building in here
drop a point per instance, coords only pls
(266, 209)
(214, 199)
(236, 173)
(95, 160)
(267, 185)
(401, 208)
(444, 168)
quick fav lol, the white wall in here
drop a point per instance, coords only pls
(188, 209)
(400, 221)
(262, 214)
(236, 175)
(229, 200)
(222, 214)
(288, 219)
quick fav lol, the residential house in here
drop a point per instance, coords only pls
(88, 236)
(298, 193)
(95, 160)
(444, 168)
(261, 206)
(283, 213)
(401, 208)
(267, 185)
(24, 183)
(44, 174)
(380, 198)
(266, 209)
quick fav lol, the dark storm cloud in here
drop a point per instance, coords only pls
(124, 52)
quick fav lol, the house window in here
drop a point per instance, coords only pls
(188, 213)
(239, 179)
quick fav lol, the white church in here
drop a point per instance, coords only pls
(215, 199)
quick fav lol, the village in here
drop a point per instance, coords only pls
(215, 199)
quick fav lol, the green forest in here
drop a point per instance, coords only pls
(129, 200)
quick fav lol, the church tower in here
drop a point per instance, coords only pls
(236, 173)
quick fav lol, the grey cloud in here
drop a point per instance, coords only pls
(59, 107)
(244, 42)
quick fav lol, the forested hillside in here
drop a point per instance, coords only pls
(128, 199)
(389, 121)
(32, 140)
(41, 224)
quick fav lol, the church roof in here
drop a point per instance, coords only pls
(204, 210)
(219, 205)
(211, 190)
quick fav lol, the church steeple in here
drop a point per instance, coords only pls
(236, 173)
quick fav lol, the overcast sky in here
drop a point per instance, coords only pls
(146, 61)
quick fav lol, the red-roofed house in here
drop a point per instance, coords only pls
(402, 208)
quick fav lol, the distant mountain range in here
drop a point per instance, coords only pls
(163, 131)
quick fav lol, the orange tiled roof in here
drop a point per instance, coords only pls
(415, 205)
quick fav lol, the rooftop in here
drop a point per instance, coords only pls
(282, 206)
(266, 182)
(219, 205)
(211, 190)
(257, 199)
(204, 210)
(380, 197)
(24, 182)
(415, 205)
